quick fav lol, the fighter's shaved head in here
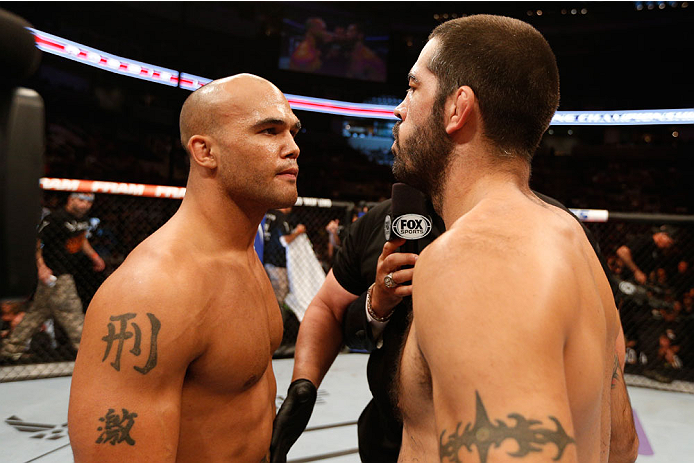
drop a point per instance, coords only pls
(202, 110)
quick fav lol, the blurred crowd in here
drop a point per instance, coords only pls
(651, 270)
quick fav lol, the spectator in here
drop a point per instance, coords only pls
(645, 254)
(333, 229)
(12, 314)
(62, 240)
(278, 234)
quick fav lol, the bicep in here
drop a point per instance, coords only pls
(126, 387)
(332, 299)
(495, 374)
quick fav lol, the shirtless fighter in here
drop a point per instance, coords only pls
(176, 356)
(511, 354)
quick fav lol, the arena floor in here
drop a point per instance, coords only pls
(34, 414)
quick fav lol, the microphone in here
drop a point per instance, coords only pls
(409, 218)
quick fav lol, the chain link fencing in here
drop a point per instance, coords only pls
(657, 312)
(121, 217)
(650, 257)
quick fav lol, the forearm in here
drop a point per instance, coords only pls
(356, 329)
(624, 442)
(88, 249)
(317, 345)
(624, 253)
(40, 264)
(42, 270)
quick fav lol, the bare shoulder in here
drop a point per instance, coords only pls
(497, 264)
(153, 290)
(470, 243)
(150, 276)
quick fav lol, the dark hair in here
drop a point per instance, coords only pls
(512, 70)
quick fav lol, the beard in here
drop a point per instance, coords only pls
(422, 160)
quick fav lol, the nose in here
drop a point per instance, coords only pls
(400, 110)
(291, 150)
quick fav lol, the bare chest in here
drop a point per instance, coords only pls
(242, 327)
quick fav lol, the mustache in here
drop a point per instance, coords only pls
(396, 129)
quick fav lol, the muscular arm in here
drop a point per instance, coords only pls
(495, 358)
(320, 334)
(126, 388)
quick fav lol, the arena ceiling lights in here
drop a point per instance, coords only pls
(86, 55)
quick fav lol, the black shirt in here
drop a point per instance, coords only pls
(62, 236)
(380, 431)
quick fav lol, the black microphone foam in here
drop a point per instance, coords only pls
(19, 57)
(407, 200)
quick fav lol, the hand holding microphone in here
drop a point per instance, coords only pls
(408, 223)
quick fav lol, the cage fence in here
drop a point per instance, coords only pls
(657, 312)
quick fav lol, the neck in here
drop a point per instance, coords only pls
(216, 221)
(474, 178)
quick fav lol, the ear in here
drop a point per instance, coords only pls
(200, 149)
(459, 108)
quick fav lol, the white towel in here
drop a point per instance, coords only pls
(305, 275)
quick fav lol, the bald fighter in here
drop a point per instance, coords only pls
(512, 353)
(176, 356)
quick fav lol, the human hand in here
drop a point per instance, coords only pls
(640, 276)
(292, 418)
(332, 226)
(384, 299)
(301, 228)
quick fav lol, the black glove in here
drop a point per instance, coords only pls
(292, 418)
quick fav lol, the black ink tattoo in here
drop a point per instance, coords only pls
(616, 372)
(483, 434)
(124, 334)
(116, 428)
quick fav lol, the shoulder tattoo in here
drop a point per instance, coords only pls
(529, 434)
(127, 330)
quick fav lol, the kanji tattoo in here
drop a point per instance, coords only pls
(116, 428)
(529, 434)
(124, 334)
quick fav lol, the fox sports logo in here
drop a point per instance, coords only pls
(411, 226)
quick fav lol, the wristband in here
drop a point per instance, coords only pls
(369, 309)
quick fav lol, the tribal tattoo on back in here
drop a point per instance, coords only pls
(529, 434)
